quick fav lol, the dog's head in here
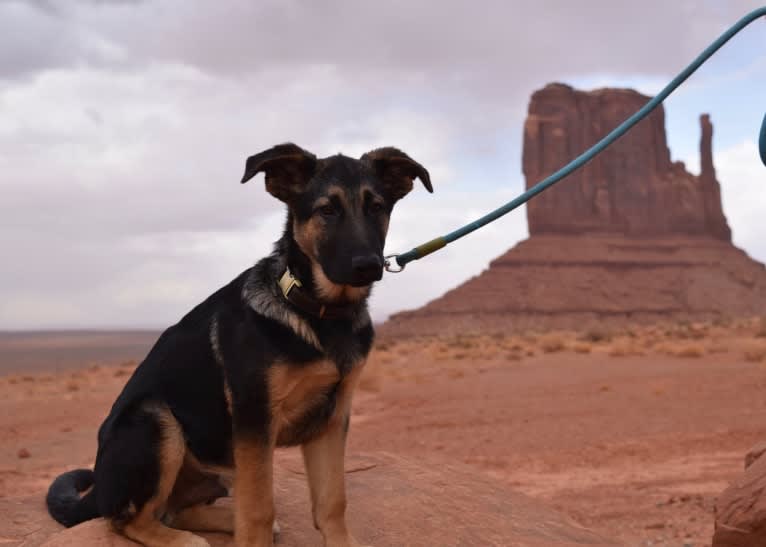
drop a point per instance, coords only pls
(339, 207)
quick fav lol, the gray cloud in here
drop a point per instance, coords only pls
(124, 127)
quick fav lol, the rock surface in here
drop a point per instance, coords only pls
(392, 502)
(632, 237)
(754, 453)
(632, 188)
(741, 510)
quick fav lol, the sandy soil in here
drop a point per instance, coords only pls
(632, 434)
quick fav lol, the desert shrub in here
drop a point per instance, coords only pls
(761, 330)
(722, 321)
(596, 336)
(755, 355)
(625, 350)
(581, 347)
(689, 351)
(552, 344)
(461, 342)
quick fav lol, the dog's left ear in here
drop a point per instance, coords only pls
(288, 168)
(397, 170)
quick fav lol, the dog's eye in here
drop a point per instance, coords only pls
(375, 207)
(327, 210)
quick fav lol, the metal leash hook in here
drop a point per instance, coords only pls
(391, 265)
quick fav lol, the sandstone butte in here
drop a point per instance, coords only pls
(632, 237)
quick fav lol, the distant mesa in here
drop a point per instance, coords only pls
(631, 237)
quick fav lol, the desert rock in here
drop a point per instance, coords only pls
(634, 188)
(392, 501)
(631, 237)
(741, 510)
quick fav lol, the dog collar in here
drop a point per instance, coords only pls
(293, 291)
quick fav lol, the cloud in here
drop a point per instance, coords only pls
(124, 127)
(743, 191)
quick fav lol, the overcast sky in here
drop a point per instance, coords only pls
(124, 127)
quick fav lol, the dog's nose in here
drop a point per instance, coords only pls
(367, 267)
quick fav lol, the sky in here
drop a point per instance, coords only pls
(125, 125)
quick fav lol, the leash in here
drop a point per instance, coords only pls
(396, 262)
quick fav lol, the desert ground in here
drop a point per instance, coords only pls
(631, 432)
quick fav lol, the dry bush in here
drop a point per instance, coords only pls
(596, 336)
(626, 349)
(552, 344)
(461, 342)
(755, 354)
(689, 351)
(581, 347)
(717, 346)
(722, 321)
(761, 332)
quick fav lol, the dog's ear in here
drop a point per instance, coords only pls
(397, 170)
(288, 168)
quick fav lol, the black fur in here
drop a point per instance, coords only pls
(63, 499)
(232, 339)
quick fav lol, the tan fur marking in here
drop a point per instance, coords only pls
(205, 518)
(210, 518)
(145, 527)
(324, 459)
(253, 493)
(294, 390)
(307, 235)
(332, 292)
(339, 193)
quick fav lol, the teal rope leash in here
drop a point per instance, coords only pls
(763, 141)
(435, 244)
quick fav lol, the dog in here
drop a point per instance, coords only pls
(271, 359)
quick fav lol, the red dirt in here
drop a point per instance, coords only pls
(635, 447)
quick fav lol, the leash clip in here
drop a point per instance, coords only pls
(392, 266)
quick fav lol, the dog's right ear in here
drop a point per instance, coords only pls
(288, 168)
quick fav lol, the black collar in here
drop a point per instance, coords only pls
(294, 293)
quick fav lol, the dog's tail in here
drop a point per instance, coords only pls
(64, 501)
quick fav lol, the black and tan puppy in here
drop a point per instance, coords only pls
(269, 360)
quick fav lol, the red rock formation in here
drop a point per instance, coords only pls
(631, 237)
(392, 502)
(633, 188)
(740, 510)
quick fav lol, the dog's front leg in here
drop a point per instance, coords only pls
(253, 492)
(324, 459)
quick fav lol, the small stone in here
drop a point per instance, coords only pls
(23, 454)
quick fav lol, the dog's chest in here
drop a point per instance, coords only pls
(302, 399)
